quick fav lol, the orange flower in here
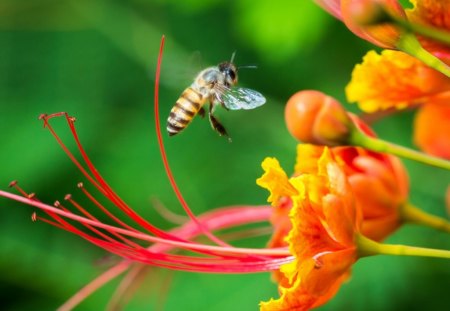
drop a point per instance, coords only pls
(361, 17)
(324, 224)
(383, 174)
(393, 79)
(387, 180)
(397, 80)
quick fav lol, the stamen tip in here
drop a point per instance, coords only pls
(80, 185)
(317, 263)
(31, 195)
(13, 183)
(42, 116)
(68, 197)
(34, 217)
(56, 204)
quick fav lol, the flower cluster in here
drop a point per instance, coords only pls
(324, 222)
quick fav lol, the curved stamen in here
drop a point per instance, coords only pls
(162, 150)
(238, 216)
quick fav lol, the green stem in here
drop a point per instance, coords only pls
(368, 247)
(409, 44)
(411, 214)
(357, 138)
(426, 31)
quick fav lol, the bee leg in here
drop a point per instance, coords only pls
(223, 105)
(220, 101)
(216, 125)
(202, 112)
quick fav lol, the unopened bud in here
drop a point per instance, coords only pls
(313, 117)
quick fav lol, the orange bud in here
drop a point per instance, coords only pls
(313, 117)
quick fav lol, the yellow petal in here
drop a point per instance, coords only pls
(307, 158)
(392, 79)
(275, 180)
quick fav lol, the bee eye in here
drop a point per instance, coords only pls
(231, 74)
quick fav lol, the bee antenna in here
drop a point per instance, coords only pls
(232, 57)
(248, 66)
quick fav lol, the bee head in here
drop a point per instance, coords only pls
(230, 71)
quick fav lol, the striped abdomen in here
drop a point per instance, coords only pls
(186, 107)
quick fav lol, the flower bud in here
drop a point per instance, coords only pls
(313, 117)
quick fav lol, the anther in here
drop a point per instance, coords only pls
(68, 197)
(318, 263)
(42, 116)
(12, 184)
(80, 185)
(56, 204)
(31, 196)
(34, 217)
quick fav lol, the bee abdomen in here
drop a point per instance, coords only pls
(186, 107)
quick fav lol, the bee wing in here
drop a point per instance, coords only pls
(241, 98)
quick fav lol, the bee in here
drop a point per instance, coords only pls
(213, 85)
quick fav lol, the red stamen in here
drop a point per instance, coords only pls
(90, 216)
(103, 209)
(102, 186)
(219, 219)
(15, 184)
(162, 150)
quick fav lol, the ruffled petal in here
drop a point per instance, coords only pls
(275, 180)
(393, 80)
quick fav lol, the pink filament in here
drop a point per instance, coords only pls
(233, 260)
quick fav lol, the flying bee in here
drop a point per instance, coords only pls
(216, 86)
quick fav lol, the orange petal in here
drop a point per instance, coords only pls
(372, 197)
(339, 219)
(327, 270)
(381, 227)
(308, 235)
(432, 128)
(357, 16)
(431, 12)
(435, 14)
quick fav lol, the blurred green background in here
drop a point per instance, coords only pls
(96, 60)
